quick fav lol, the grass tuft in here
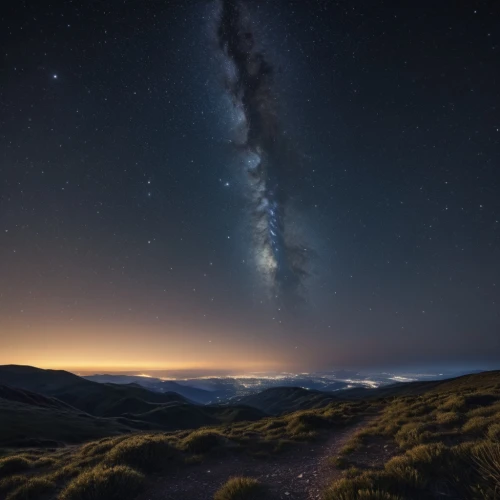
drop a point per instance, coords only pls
(14, 465)
(32, 489)
(494, 433)
(100, 483)
(240, 488)
(487, 462)
(202, 441)
(10, 483)
(147, 453)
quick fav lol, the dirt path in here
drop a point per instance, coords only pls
(301, 473)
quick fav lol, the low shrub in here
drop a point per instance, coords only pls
(10, 483)
(404, 473)
(202, 441)
(348, 488)
(14, 465)
(486, 458)
(240, 488)
(410, 435)
(32, 489)
(376, 495)
(306, 425)
(448, 418)
(113, 483)
(339, 462)
(99, 447)
(494, 432)
(428, 457)
(454, 403)
(144, 452)
(476, 425)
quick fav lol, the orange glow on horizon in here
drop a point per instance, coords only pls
(105, 346)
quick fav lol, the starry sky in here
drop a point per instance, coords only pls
(249, 185)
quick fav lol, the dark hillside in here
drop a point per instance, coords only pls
(279, 400)
(91, 397)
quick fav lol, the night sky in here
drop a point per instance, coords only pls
(255, 185)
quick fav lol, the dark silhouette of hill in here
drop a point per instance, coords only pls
(482, 380)
(31, 398)
(72, 409)
(94, 398)
(193, 393)
(155, 384)
(31, 419)
(278, 400)
(185, 416)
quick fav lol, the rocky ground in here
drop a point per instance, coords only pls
(302, 473)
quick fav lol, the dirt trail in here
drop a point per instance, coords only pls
(301, 473)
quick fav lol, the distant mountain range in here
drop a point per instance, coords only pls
(40, 407)
(225, 389)
(228, 389)
(36, 403)
(278, 400)
(202, 396)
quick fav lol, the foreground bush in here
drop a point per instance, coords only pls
(145, 452)
(362, 487)
(9, 483)
(487, 462)
(32, 489)
(202, 441)
(114, 483)
(96, 448)
(13, 465)
(240, 488)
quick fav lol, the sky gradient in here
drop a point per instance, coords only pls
(260, 185)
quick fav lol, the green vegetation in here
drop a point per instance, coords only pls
(339, 462)
(240, 488)
(147, 453)
(446, 443)
(100, 483)
(28, 419)
(32, 489)
(278, 400)
(28, 425)
(117, 465)
(13, 465)
(102, 400)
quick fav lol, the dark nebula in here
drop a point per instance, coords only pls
(250, 83)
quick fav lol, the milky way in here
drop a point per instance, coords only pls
(268, 159)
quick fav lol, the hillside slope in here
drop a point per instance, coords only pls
(72, 409)
(442, 443)
(279, 400)
(477, 381)
(91, 397)
(30, 419)
(195, 394)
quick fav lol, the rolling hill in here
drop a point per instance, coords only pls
(195, 394)
(185, 416)
(91, 397)
(71, 409)
(482, 380)
(31, 419)
(278, 400)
